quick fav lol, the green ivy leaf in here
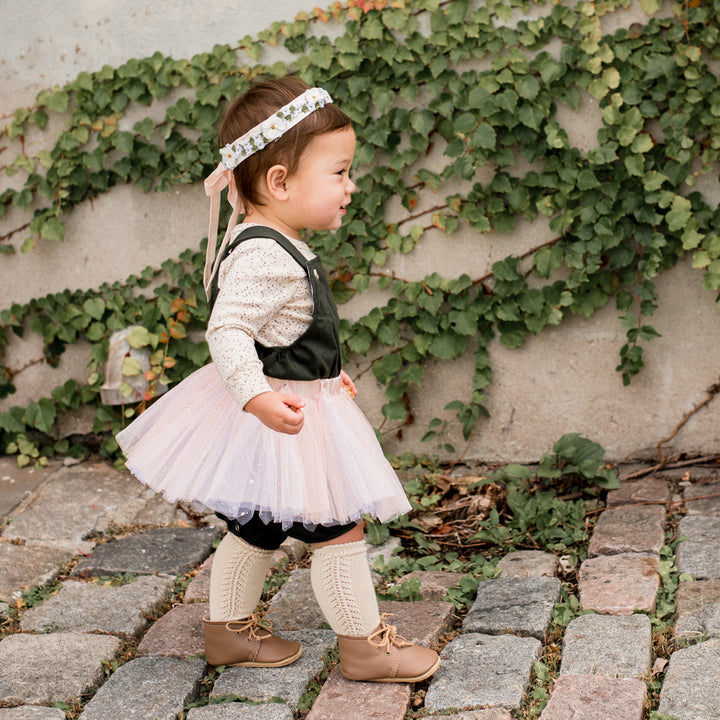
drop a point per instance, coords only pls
(123, 141)
(57, 101)
(642, 143)
(679, 213)
(41, 415)
(53, 229)
(11, 421)
(528, 87)
(650, 7)
(422, 121)
(447, 346)
(94, 307)
(130, 367)
(547, 259)
(145, 127)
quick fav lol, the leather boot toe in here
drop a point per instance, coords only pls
(385, 656)
(247, 643)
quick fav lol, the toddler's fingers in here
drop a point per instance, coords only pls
(295, 422)
(294, 402)
(349, 384)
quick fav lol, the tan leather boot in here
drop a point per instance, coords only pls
(385, 656)
(248, 643)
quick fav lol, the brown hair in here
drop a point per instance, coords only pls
(257, 105)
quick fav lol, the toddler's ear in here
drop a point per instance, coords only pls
(275, 182)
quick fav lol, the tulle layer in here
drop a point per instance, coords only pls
(196, 445)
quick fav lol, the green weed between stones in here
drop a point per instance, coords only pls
(664, 640)
(206, 686)
(538, 507)
(330, 660)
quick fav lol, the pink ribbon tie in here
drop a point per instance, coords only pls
(215, 183)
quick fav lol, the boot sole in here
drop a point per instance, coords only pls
(417, 678)
(279, 663)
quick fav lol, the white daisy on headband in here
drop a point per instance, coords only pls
(274, 127)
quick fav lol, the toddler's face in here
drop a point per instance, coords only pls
(320, 189)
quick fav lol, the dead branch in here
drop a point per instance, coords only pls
(7, 236)
(712, 391)
(670, 466)
(709, 496)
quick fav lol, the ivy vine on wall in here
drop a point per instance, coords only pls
(481, 83)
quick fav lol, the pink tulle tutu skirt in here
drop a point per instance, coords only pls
(196, 445)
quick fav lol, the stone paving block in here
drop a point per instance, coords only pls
(607, 645)
(287, 683)
(198, 589)
(17, 484)
(639, 491)
(31, 712)
(629, 529)
(697, 504)
(521, 605)
(487, 670)
(76, 502)
(179, 633)
(421, 622)
(295, 549)
(619, 584)
(699, 528)
(434, 584)
(699, 553)
(698, 609)
(594, 697)
(701, 560)
(23, 566)
(157, 511)
(489, 714)
(342, 699)
(147, 689)
(241, 711)
(165, 551)
(691, 690)
(528, 563)
(294, 606)
(38, 669)
(87, 607)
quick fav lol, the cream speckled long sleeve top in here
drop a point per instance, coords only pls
(265, 297)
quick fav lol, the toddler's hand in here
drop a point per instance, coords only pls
(348, 383)
(278, 411)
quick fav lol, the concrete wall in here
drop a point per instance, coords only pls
(562, 381)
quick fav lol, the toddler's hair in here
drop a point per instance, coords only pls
(256, 106)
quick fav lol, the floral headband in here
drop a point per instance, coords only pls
(235, 152)
(271, 129)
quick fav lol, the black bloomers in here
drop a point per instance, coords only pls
(270, 536)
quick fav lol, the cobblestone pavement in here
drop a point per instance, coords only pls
(102, 649)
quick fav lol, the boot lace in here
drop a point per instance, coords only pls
(254, 625)
(386, 636)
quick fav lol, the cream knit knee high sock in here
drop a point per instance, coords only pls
(236, 579)
(343, 586)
